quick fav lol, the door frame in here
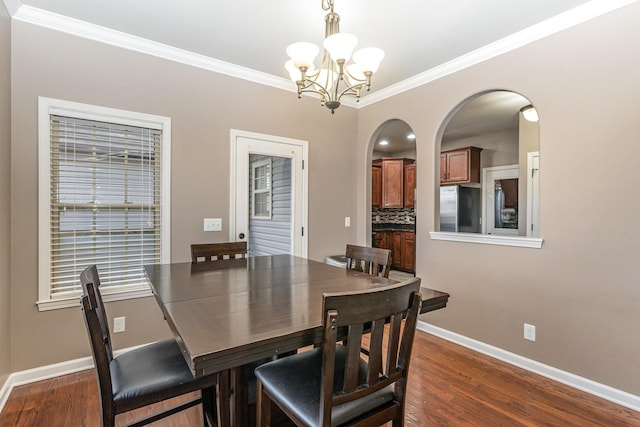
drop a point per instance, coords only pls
(533, 194)
(242, 144)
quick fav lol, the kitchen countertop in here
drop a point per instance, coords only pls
(393, 227)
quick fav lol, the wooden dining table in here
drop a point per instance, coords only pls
(227, 314)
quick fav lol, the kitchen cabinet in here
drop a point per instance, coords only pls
(408, 255)
(376, 186)
(396, 249)
(460, 166)
(392, 182)
(402, 245)
(380, 240)
(409, 185)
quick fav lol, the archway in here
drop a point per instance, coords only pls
(489, 167)
(393, 184)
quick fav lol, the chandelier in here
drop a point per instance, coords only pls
(334, 78)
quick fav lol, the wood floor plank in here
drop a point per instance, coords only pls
(448, 385)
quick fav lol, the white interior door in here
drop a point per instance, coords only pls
(242, 145)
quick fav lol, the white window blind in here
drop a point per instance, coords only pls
(105, 203)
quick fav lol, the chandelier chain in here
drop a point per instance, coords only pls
(327, 5)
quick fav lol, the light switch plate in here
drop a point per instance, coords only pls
(213, 224)
(347, 221)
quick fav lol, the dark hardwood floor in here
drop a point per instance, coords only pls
(449, 385)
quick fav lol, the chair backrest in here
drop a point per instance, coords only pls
(215, 251)
(90, 276)
(96, 322)
(368, 260)
(355, 314)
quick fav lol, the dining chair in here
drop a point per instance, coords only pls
(215, 251)
(211, 252)
(374, 261)
(332, 385)
(145, 375)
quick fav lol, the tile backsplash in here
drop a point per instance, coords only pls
(393, 216)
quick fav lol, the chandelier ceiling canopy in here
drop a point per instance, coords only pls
(335, 77)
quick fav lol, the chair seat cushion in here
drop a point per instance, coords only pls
(150, 369)
(294, 382)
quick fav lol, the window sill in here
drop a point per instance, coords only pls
(487, 239)
(55, 304)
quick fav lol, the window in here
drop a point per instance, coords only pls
(261, 194)
(490, 137)
(103, 199)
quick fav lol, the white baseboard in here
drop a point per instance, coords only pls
(45, 372)
(42, 373)
(619, 397)
(609, 393)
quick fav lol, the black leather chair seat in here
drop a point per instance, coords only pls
(149, 369)
(294, 382)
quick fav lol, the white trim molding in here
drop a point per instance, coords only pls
(565, 20)
(42, 373)
(603, 391)
(488, 239)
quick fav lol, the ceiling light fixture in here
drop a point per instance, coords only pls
(529, 113)
(384, 142)
(334, 78)
(411, 136)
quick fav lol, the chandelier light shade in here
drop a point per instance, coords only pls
(529, 113)
(334, 78)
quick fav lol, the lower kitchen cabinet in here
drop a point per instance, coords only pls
(402, 245)
(408, 256)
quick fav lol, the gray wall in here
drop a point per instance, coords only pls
(203, 106)
(581, 289)
(5, 195)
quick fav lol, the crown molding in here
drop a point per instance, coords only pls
(536, 32)
(563, 21)
(12, 6)
(108, 36)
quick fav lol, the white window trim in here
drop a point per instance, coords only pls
(50, 106)
(269, 190)
(488, 239)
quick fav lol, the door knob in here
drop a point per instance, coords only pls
(241, 236)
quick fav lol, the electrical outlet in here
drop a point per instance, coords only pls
(347, 221)
(118, 325)
(529, 332)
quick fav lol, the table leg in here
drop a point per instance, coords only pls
(224, 399)
(240, 381)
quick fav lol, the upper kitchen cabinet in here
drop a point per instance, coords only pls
(393, 182)
(409, 185)
(460, 166)
(376, 185)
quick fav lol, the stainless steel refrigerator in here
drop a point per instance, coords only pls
(460, 209)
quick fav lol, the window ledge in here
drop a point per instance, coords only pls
(55, 304)
(488, 239)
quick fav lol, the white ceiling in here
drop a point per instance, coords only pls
(422, 39)
(417, 35)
